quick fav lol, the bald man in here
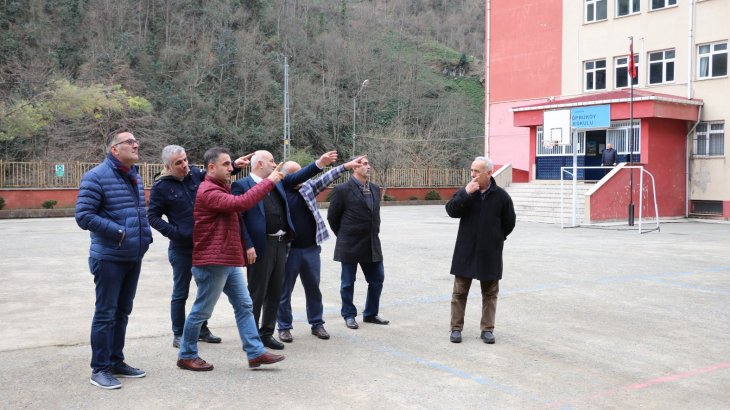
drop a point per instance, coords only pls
(267, 228)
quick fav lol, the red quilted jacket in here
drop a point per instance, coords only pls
(217, 238)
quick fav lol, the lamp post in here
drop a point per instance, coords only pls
(354, 109)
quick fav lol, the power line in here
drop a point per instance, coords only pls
(421, 140)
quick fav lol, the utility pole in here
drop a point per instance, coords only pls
(354, 110)
(287, 118)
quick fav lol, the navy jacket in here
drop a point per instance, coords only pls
(176, 200)
(111, 207)
(254, 220)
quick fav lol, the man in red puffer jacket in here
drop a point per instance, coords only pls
(218, 260)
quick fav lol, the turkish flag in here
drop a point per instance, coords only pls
(632, 64)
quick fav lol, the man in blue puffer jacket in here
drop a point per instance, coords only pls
(111, 207)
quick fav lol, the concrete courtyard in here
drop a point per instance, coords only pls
(587, 318)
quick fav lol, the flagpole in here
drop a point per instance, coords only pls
(630, 73)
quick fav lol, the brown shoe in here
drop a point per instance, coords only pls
(196, 365)
(320, 333)
(266, 358)
(285, 336)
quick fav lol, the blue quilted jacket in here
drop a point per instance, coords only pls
(111, 207)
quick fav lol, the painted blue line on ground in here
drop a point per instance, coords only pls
(484, 381)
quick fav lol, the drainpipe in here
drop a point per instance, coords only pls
(487, 72)
(688, 177)
(690, 47)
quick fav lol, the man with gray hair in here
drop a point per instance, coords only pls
(267, 228)
(486, 216)
(173, 195)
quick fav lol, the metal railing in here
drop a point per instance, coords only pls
(68, 175)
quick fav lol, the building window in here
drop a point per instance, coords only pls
(626, 7)
(661, 67)
(619, 136)
(596, 10)
(707, 207)
(622, 71)
(660, 4)
(710, 139)
(595, 75)
(712, 60)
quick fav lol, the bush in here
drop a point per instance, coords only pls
(433, 195)
(413, 198)
(388, 198)
(2, 202)
(49, 204)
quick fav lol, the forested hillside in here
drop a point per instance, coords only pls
(201, 73)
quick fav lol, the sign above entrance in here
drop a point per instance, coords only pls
(591, 117)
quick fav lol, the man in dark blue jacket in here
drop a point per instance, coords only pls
(173, 195)
(111, 206)
(267, 228)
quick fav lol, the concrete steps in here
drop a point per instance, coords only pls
(540, 201)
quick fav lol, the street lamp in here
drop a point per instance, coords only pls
(354, 107)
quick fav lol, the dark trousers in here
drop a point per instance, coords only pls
(374, 276)
(182, 264)
(265, 280)
(116, 285)
(490, 290)
(305, 263)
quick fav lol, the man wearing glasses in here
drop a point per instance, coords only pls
(111, 207)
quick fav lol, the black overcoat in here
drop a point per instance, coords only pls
(357, 227)
(484, 226)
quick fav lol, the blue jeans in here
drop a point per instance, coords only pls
(182, 264)
(116, 285)
(213, 280)
(374, 275)
(305, 263)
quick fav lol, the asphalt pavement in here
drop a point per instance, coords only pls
(586, 318)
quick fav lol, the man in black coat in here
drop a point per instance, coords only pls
(487, 217)
(354, 216)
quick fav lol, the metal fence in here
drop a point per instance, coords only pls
(68, 175)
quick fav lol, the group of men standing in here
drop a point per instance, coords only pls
(269, 223)
(215, 230)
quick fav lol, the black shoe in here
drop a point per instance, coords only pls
(488, 337)
(208, 337)
(351, 323)
(320, 333)
(455, 336)
(375, 319)
(272, 343)
(176, 341)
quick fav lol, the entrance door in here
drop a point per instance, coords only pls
(595, 144)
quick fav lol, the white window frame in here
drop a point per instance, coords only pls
(664, 62)
(667, 3)
(558, 150)
(591, 6)
(705, 135)
(618, 136)
(633, 4)
(624, 65)
(709, 58)
(593, 73)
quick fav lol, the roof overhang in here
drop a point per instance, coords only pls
(645, 105)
